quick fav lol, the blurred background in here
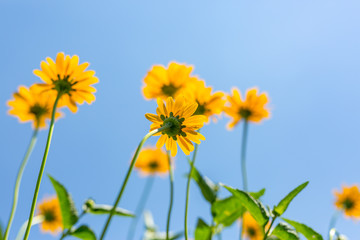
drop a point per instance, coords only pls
(304, 54)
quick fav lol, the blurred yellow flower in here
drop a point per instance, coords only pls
(251, 109)
(69, 79)
(29, 105)
(179, 115)
(163, 83)
(152, 161)
(251, 229)
(348, 201)
(49, 208)
(208, 104)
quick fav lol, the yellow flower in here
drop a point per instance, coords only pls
(251, 109)
(163, 83)
(152, 161)
(208, 104)
(348, 201)
(69, 79)
(251, 229)
(183, 126)
(50, 209)
(29, 105)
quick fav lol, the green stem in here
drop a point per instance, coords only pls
(188, 191)
(272, 222)
(18, 180)
(243, 155)
(333, 220)
(127, 177)
(38, 219)
(64, 234)
(241, 227)
(47, 147)
(141, 205)
(171, 177)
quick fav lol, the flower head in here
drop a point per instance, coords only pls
(161, 82)
(29, 104)
(209, 104)
(178, 115)
(251, 229)
(50, 209)
(68, 78)
(348, 201)
(252, 108)
(152, 161)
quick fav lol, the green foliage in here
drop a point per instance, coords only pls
(284, 203)
(255, 207)
(67, 206)
(208, 188)
(1, 232)
(308, 232)
(203, 231)
(227, 211)
(285, 232)
(151, 232)
(83, 232)
(90, 207)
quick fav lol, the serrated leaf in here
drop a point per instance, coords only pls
(207, 187)
(91, 207)
(284, 203)
(308, 232)
(68, 210)
(227, 211)
(285, 232)
(202, 231)
(255, 207)
(83, 232)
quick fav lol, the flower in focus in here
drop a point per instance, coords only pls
(251, 229)
(183, 124)
(152, 161)
(163, 83)
(208, 104)
(50, 210)
(29, 105)
(69, 79)
(348, 201)
(252, 108)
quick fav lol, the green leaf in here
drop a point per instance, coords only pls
(227, 211)
(308, 232)
(258, 194)
(255, 207)
(91, 207)
(67, 206)
(202, 231)
(1, 232)
(284, 203)
(285, 232)
(208, 188)
(84, 232)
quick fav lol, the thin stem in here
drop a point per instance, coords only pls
(37, 219)
(127, 177)
(64, 234)
(241, 228)
(46, 152)
(272, 222)
(18, 180)
(140, 207)
(243, 155)
(171, 177)
(333, 220)
(188, 192)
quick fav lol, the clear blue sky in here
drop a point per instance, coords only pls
(305, 54)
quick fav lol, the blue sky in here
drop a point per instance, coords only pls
(304, 54)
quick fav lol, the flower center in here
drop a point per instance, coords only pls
(153, 165)
(200, 110)
(245, 113)
(63, 85)
(169, 90)
(348, 204)
(251, 232)
(49, 216)
(175, 126)
(38, 110)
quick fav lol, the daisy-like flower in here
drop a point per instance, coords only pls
(178, 115)
(251, 229)
(50, 209)
(69, 79)
(209, 104)
(152, 161)
(161, 82)
(348, 200)
(252, 108)
(29, 104)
